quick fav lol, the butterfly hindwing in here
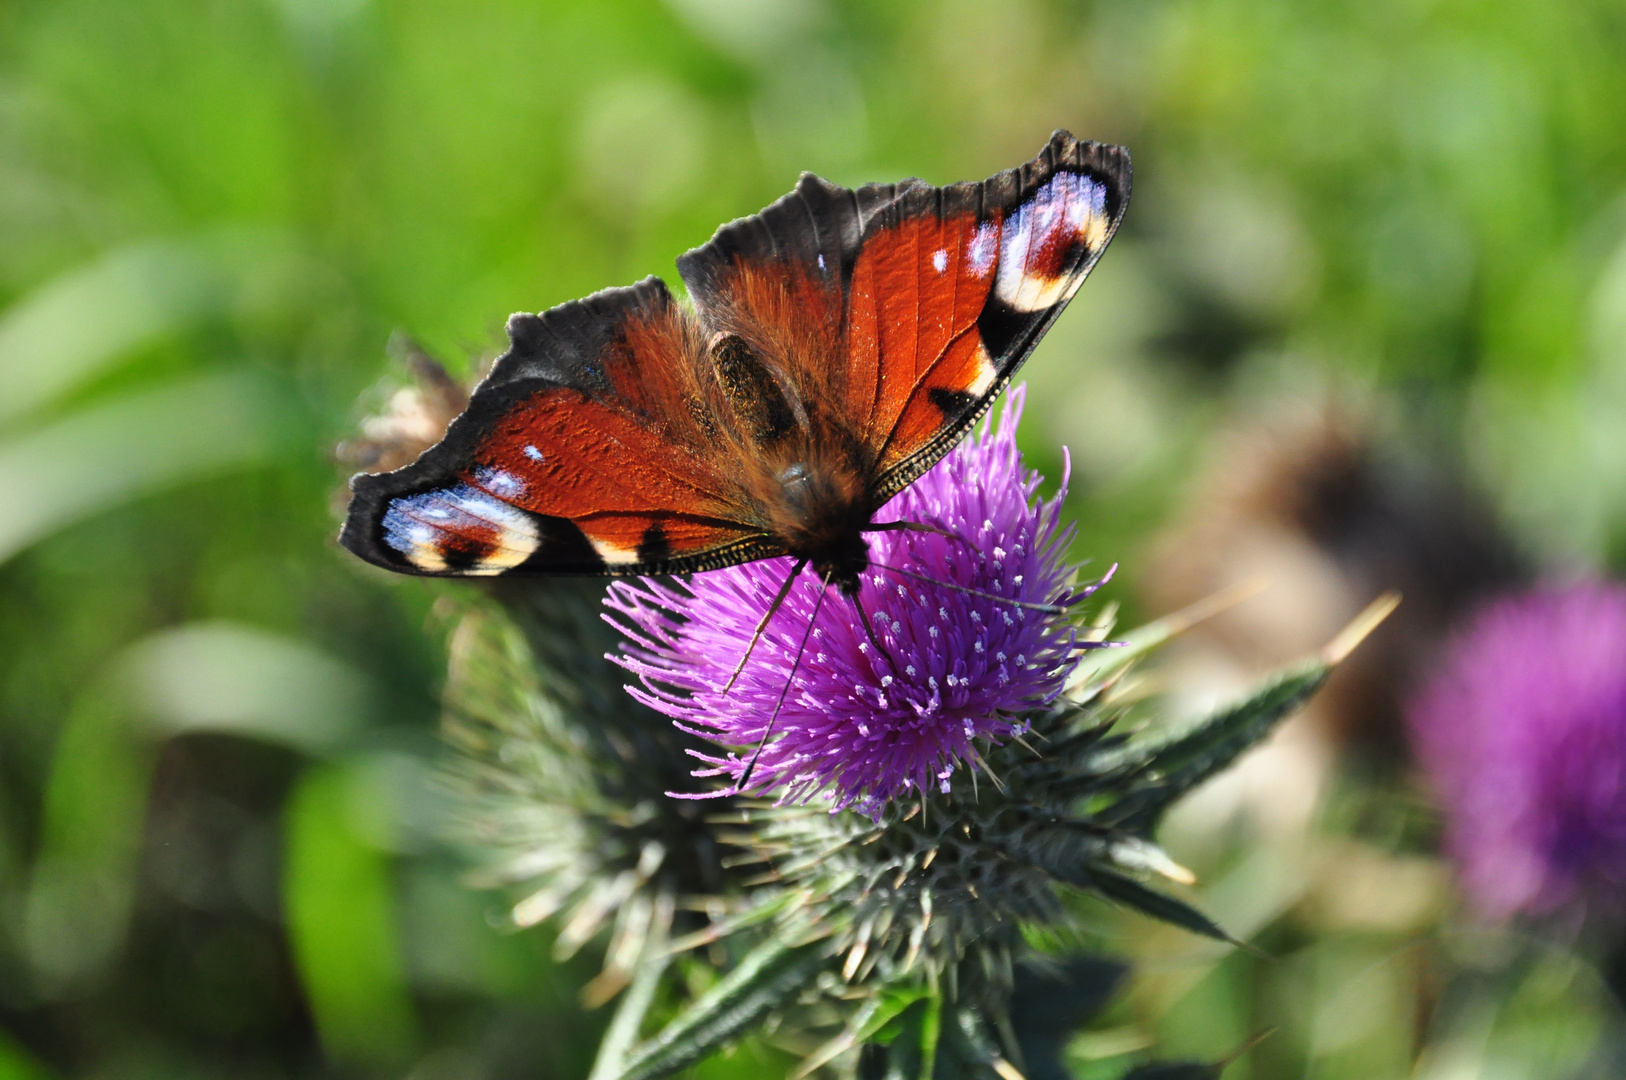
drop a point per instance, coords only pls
(568, 460)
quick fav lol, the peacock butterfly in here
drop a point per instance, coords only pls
(840, 342)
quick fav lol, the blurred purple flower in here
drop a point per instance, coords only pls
(953, 668)
(1523, 732)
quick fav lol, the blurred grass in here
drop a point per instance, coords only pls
(213, 214)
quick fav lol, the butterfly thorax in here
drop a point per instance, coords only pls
(807, 472)
(820, 515)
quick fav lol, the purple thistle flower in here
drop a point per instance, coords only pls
(1523, 732)
(860, 724)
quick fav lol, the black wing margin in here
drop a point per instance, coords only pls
(1049, 219)
(818, 227)
(1009, 334)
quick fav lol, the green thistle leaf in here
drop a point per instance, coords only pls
(764, 980)
(1168, 769)
(1159, 905)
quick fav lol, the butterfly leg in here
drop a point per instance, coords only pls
(750, 766)
(756, 635)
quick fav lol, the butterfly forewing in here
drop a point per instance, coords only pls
(994, 264)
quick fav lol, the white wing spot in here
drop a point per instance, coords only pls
(984, 247)
(532, 452)
(501, 483)
(940, 260)
(614, 554)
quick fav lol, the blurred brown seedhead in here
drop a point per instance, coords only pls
(1318, 496)
(414, 418)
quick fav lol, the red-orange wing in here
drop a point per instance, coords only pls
(576, 455)
(934, 296)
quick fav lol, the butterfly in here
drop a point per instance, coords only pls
(839, 343)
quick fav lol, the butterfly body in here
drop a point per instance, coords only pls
(821, 516)
(839, 342)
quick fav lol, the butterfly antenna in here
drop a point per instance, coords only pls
(750, 766)
(917, 526)
(1048, 609)
(756, 635)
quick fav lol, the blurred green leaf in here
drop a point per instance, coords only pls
(1174, 1070)
(341, 923)
(1053, 997)
(227, 677)
(874, 1015)
(109, 454)
(211, 677)
(81, 323)
(16, 1063)
(629, 1014)
(79, 895)
(909, 1050)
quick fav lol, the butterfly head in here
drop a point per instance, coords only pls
(845, 567)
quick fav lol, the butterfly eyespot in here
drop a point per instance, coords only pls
(1060, 227)
(460, 530)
